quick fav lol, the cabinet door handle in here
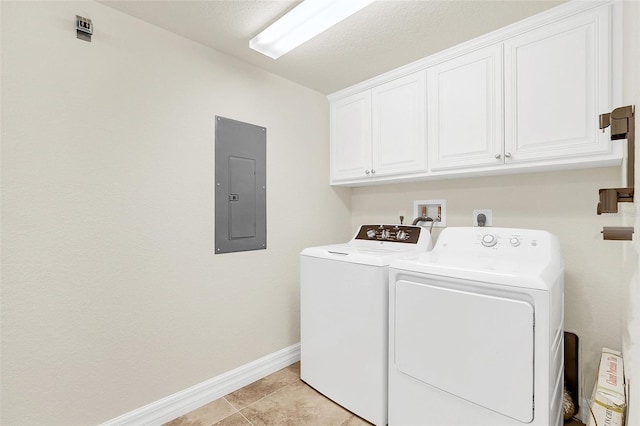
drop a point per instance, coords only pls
(498, 156)
(507, 154)
(373, 172)
(367, 172)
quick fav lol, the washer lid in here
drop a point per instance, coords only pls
(377, 245)
(381, 255)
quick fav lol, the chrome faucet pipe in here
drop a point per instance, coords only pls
(421, 219)
(426, 219)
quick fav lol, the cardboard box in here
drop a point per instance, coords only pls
(608, 401)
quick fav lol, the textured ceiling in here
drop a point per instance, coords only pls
(379, 38)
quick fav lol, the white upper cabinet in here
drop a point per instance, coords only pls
(351, 137)
(380, 132)
(399, 116)
(557, 82)
(523, 98)
(465, 111)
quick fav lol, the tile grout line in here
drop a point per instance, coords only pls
(264, 397)
(238, 410)
(232, 406)
(229, 402)
(245, 417)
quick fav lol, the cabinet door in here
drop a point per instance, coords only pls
(465, 111)
(399, 140)
(556, 84)
(351, 137)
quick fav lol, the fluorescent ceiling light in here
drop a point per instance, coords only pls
(305, 21)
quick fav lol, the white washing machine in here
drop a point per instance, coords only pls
(476, 331)
(344, 302)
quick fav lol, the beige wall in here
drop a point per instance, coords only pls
(112, 297)
(631, 271)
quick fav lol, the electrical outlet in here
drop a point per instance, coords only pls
(478, 220)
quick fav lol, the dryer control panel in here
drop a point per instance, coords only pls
(510, 238)
(395, 233)
(513, 239)
(504, 244)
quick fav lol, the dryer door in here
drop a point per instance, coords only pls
(472, 343)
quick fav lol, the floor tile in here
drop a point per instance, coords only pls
(295, 405)
(263, 387)
(295, 368)
(205, 415)
(355, 421)
(236, 419)
(280, 399)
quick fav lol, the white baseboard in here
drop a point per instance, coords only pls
(189, 399)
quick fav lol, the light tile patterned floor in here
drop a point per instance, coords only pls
(280, 399)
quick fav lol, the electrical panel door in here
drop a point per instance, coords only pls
(240, 186)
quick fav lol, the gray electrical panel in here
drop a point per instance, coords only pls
(240, 186)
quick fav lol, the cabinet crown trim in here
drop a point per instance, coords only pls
(549, 16)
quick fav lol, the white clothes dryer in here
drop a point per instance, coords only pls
(476, 331)
(344, 302)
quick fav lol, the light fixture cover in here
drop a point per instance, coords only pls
(302, 23)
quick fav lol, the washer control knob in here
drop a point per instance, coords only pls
(401, 235)
(514, 241)
(489, 240)
(371, 233)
